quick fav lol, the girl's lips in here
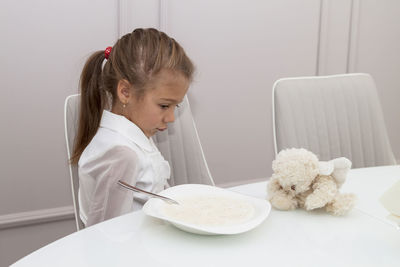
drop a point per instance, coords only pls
(161, 129)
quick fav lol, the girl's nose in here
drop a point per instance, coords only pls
(170, 117)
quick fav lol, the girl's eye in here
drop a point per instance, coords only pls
(164, 106)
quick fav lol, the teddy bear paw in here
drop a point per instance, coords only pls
(341, 204)
(283, 202)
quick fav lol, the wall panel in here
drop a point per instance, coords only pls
(376, 38)
(44, 45)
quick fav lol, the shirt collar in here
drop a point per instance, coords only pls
(125, 127)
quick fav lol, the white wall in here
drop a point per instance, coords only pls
(239, 47)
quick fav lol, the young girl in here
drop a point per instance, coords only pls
(124, 101)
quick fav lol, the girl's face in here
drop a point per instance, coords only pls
(155, 109)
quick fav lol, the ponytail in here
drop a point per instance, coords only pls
(93, 99)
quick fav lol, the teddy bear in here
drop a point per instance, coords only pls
(300, 180)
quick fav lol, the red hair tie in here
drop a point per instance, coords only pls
(107, 52)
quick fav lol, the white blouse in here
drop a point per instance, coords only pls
(118, 151)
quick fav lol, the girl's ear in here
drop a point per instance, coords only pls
(124, 91)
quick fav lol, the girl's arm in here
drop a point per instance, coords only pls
(110, 199)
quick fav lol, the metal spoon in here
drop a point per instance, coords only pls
(130, 187)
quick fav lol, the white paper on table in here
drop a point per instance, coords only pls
(391, 201)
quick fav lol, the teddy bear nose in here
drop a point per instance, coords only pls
(293, 187)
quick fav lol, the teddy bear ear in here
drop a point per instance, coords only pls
(326, 167)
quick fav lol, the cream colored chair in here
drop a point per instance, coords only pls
(332, 116)
(179, 144)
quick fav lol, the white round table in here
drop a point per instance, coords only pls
(286, 238)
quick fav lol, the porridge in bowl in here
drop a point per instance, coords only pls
(209, 210)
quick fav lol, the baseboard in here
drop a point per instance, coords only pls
(241, 182)
(36, 216)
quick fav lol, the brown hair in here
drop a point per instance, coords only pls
(136, 57)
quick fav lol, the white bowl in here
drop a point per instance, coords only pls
(258, 209)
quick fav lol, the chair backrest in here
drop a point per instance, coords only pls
(179, 144)
(332, 116)
(71, 117)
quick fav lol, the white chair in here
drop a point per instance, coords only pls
(179, 144)
(332, 116)
(71, 116)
